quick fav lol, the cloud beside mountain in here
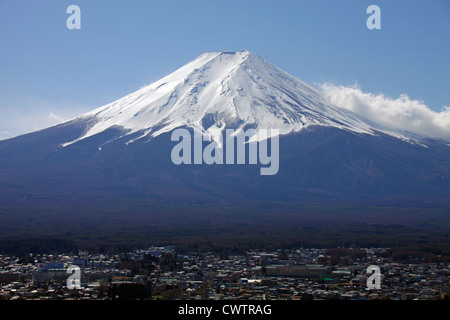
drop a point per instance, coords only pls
(402, 113)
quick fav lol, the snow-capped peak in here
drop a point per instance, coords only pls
(221, 90)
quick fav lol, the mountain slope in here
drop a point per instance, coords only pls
(223, 89)
(123, 150)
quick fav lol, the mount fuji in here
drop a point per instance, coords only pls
(223, 90)
(122, 150)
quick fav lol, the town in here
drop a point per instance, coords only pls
(160, 273)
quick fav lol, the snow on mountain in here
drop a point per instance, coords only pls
(221, 90)
(123, 150)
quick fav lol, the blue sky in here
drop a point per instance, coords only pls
(49, 73)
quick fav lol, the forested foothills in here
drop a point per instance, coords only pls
(408, 240)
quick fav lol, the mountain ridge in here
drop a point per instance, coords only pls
(123, 150)
(219, 90)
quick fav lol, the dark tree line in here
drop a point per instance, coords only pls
(129, 291)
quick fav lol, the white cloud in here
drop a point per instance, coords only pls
(20, 114)
(401, 113)
(5, 135)
(56, 118)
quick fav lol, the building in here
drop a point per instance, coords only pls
(45, 276)
(309, 271)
